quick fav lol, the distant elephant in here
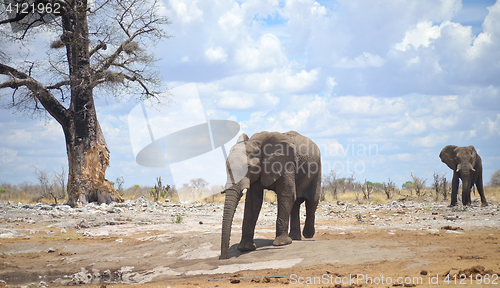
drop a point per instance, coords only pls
(466, 165)
(287, 163)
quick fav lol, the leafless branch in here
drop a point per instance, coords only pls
(20, 79)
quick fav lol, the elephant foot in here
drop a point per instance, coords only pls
(245, 246)
(282, 240)
(484, 204)
(308, 231)
(295, 234)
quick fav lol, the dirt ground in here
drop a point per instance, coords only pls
(345, 252)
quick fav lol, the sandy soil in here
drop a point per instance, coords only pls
(364, 246)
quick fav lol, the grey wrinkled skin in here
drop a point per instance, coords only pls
(466, 165)
(287, 163)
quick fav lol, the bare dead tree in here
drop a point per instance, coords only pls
(48, 186)
(329, 183)
(119, 185)
(197, 185)
(367, 189)
(495, 179)
(105, 47)
(61, 179)
(419, 184)
(437, 184)
(444, 189)
(389, 188)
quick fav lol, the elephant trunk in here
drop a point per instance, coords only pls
(466, 186)
(233, 196)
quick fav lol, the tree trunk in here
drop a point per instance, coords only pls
(88, 154)
(88, 159)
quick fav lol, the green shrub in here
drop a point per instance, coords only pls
(177, 219)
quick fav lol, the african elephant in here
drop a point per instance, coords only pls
(466, 165)
(287, 163)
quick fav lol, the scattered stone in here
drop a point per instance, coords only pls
(106, 274)
(42, 284)
(82, 277)
(235, 280)
(450, 218)
(82, 224)
(475, 270)
(423, 272)
(448, 227)
(96, 274)
(51, 250)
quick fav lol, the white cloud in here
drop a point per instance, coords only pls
(431, 140)
(420, 35)
(283, 80)
(330, 148)
(235, 102)
(7, 155)
(267, 54)
(330, 82)
(364, 60)
(400, 74)
(367, 106)
(405, 157)
(413, 127)
(186, 11)
(216, 54)
(493, 125)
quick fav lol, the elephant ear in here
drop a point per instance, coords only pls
(474, 156)
(243, 138)
(447, 156)
(282, 157)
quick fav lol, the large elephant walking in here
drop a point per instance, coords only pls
(287, 163)
(466, 165)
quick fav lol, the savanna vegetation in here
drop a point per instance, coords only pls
(52, 188)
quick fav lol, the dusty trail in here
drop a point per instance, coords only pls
(139, 243)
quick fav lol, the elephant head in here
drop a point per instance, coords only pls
(261, 158)
(463, 161)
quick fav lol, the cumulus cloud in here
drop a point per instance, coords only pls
(186, 11)
(398, 74)
(216, 54)
(421, 35)
(266, 55)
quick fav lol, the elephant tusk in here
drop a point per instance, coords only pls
(473, 170)
(244, 191)
(458, 169)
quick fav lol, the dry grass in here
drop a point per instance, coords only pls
(28, 194)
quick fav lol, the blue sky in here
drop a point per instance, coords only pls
(404, 78)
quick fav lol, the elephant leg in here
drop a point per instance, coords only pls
(295, 220)
(480, 189)
(253, 204)
(310, 218)
(454, 189)
(311, 205)
(286, 199)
